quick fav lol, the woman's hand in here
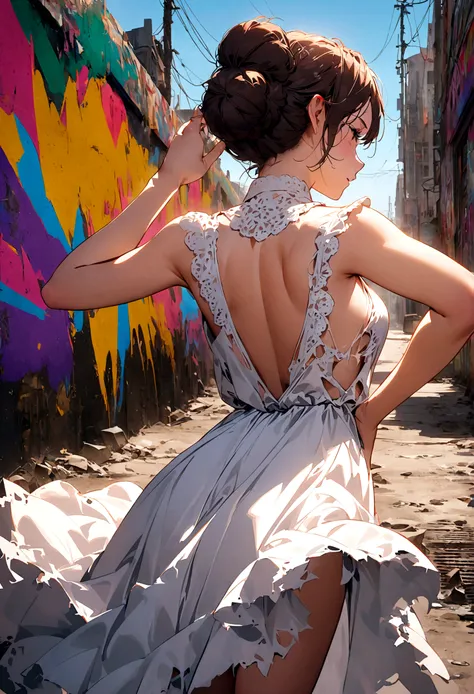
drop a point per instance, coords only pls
(185, 161)
(367, 428)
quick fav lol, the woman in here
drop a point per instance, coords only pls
(254, 562)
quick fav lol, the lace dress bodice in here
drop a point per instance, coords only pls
(270, 205)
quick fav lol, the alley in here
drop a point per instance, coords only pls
(422, 489)
(423, 469)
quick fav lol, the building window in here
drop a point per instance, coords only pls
(426, 171)
(430, 77)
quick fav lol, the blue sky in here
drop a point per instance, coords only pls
(361, 24)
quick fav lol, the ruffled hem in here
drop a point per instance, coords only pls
(149, 645)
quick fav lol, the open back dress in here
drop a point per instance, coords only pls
(124, 591)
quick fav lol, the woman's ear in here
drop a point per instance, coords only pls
(316, 112)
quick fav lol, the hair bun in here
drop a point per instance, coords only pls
(246, 96)
(257, 46)
(257, 99)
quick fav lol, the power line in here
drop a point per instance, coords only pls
(196, 32)
(193, 84)
(178, 77)
(417, 30)
(194, 40)
(183, 2)
(388, 37)
(189, 71)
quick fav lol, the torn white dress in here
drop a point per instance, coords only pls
(126, 591)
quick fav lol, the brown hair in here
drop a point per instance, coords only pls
(256, 101)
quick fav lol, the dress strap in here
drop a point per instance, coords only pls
(338, 219)
(201, 238)
(321, 303)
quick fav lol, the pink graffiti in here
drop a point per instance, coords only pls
(114, 111)
(17, 273)
(123, 197)
(17, 61)
(111, 211)
(194, 196)
(63, 116)
(89, 223)
(171, 300)
(82, 80)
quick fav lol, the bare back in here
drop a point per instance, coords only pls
(266, 289)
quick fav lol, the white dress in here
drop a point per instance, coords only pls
(126, 591)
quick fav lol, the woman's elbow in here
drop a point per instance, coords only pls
(52, 297)
(49, 296)
(462, 316)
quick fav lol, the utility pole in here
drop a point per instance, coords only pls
(167, 48)
(402, 6)
(408, 306)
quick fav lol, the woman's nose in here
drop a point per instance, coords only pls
(361, 164)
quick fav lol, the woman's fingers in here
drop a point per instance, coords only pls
(197, 118)
(213, 155)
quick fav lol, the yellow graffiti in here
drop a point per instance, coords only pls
(84, 168)
(103, 327)
(78, 154)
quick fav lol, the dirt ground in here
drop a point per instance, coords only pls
(425, 478)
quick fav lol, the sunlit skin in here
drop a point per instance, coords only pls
(340, 168)
(259, 280)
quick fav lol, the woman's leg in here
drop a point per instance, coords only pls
(223, 684)
(298, 671)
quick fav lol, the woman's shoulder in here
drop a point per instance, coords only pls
(340, 210)
(335, 219)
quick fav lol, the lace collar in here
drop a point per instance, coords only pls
(294, 187)
(270, 205)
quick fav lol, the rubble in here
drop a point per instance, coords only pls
(177, 416)
(96, 453)
(469, 443)
(417, 538)
(410, 487)
(455, 592)
(77, 461)
(114, 438)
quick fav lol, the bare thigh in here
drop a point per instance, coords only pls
(223, 684)
(298, 671)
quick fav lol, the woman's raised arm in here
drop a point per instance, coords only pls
(109, 268)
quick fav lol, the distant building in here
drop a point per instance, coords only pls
(415, 200)
(417, 208)
(149, 52)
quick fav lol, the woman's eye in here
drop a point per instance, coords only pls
(356, 134)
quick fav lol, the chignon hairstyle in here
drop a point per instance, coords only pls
(256, 101)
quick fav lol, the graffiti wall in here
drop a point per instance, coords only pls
(82, 129)
(456, 117)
